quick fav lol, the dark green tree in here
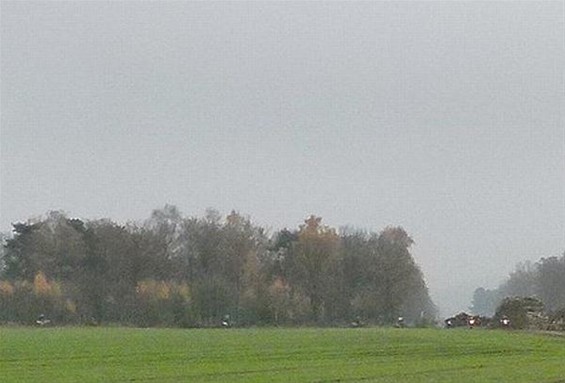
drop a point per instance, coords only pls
(551, 283)
(516, 309)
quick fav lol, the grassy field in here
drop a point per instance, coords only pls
(278, 355)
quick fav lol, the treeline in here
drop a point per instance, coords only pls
(185, 271)
(543, 280)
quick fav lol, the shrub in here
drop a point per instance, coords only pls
(521, 311)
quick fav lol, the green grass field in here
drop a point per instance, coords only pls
(278, 355)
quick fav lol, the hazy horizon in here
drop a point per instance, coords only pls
(445, 118)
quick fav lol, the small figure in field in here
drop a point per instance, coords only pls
(42, 321)
(449, 322)
(505, 322)
(226, 321)
(400, 322)
(356, 322)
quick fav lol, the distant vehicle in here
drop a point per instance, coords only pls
(462, 320)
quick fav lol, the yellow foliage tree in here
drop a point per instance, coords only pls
(279, 297)
(161, 290)
(41, 284)
(6, 288)
(316, 252)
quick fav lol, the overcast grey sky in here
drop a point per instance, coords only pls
(446, 118)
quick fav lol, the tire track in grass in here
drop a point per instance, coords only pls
(210, 374)
(380, 377)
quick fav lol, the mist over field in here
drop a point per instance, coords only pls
(443, 118)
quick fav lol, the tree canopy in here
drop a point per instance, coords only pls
(174, 270)
(543, 280)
